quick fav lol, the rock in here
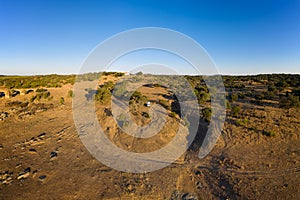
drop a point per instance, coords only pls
(3, 115)
(8, 180)
(198, 185)
(53, 154)
(1, 146)
(32, 150)
(198, 173)
(40, 136)
(189, 196)
(23, 175)
(6, 177)
(177, 195)
(28, 169)
(42, 177)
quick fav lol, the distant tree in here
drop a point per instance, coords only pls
(290, 102)
(139, 73)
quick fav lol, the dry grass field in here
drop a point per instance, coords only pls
(256, 157)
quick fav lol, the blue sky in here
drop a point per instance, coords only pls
(242, 37)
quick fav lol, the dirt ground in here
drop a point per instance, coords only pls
(42, 157)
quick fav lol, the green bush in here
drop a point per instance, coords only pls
(70, 93)
(41, 90)
(269, 133)
(38, 96)
(206, 112)
(103, 95)
(173, 114)
(234, 97)
(46, 95)
(228, 105)
(138, 98)
(62, 101)
(32, 98)
(241, 122)
(164, 104)
(290, 102)
(236, 111)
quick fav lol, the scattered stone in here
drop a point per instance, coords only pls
(177, 195)
(189, 196)
(3, 116)
(32, 150)
(198, 173)
(28, 169)
(53, 154)
(42, 177)
(18, 165)
(23, 175)
(198, 185)
(40, 136)
(6, 177)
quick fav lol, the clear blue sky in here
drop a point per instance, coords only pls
(242, 37)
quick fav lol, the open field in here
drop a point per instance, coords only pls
(256, 157)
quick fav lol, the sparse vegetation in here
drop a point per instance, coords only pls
(206, 112)
(236, 111)
(62, 101)
(164, 104)
(242, 122)
(138, 97)
(70, 93)
(17, 82)
(269, 133)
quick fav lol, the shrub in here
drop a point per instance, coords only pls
(186, 122)
(164, 104)
(269, 133)
(38, 97)
(290, 102)
(41, 90)
(62, 101)
(241, 122)
(70, 93)
(236, 111)
(234, 97)
(32, 98)
(206, 112)
(228, 105)
(145, 114)
(173, 114)
(138, 98)
(46, 95)
(204, 97)
(102, 95)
